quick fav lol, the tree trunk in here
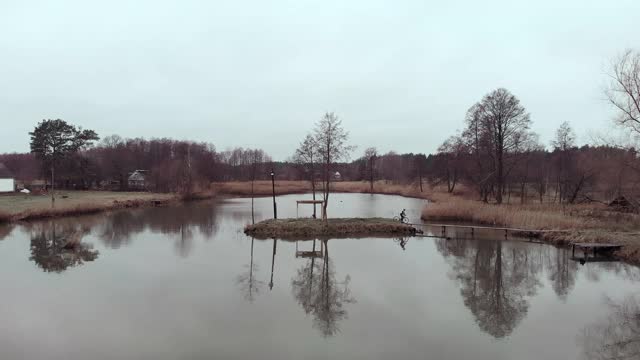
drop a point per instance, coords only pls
(313, 191)
(313, 185)
(371, 174)
(53, 199)
(577, 189)
(327, 180)
(500, 179)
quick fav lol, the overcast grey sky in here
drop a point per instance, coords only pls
(401, 74)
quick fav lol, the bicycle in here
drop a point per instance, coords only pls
(404, 220)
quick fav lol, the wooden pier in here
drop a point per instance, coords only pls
(594, 247)
(506, 230)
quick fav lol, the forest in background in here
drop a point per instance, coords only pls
(496, 155)
(566, 173)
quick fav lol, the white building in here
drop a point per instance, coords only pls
(7, 182)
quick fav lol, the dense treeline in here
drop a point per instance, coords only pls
(566, 173)
(499, 156)
(171, 165)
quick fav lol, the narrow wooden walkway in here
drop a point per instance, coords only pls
(595, 247)
(506, 230)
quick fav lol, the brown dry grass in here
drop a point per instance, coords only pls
(531, 216)
(308, 228)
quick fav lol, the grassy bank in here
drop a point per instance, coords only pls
(263, 188)
(582, 223)
(14, 207)
(307, 228)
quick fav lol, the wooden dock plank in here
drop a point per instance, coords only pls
(484, 227)
(597, 245)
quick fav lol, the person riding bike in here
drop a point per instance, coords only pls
(403, 216)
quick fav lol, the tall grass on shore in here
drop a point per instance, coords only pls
(530, 216)
(463, 210)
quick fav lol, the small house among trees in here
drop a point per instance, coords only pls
(138, 180)
(7, 182)
(622, 204)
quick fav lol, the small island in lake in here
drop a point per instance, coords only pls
(308, 227)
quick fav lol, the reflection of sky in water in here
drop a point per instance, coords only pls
(172, 282)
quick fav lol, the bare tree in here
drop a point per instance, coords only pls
(307, 155)
(332, 145)
(624, 90)
(526, 150)
(565, 137)
(257, 157)
(482, 169)
(370, 156)
(563, 145)
(420, 162)
(498, 121)
(451, 151)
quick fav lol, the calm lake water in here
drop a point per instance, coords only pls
(184, 282)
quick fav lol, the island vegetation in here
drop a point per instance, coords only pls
(309, 228)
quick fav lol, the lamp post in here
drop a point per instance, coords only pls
(273, 188)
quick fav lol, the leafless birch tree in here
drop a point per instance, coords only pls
(333, 147)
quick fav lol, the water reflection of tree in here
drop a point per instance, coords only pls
(496, 281)
(57, 245)
(317, 290)
(181, 221)
(5, 230)
(304, 282)
(249, 285)
(562, 271)
(617, 335)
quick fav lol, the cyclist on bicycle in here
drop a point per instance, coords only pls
(403, 216)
